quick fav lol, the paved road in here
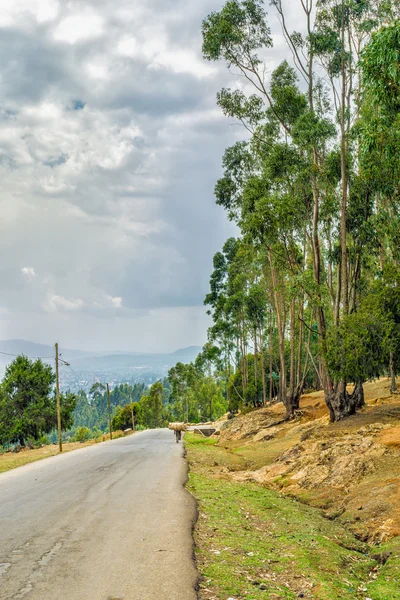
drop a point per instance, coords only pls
(103, 523)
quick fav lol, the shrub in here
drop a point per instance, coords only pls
(82, 434)
(42, 441)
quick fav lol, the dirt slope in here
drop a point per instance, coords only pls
(350, 469)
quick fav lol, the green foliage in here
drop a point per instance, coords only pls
(83, 434)
(92, 411)
(236, 33)
(122, 418)
(381, 68)
(152, 408)
(198, 391)
(355, 347)
(28, 404)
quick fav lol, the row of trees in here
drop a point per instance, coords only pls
(28, 405)
(92, 410)
(309, 294)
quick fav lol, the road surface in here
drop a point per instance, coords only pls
(108, 522)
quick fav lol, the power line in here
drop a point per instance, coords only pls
(21, 354)
(67, 364)
(76, 374)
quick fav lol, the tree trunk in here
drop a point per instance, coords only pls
(343, 153)
(281, 334)
(300, 344)
(393, 385)
(341, 404)
(271, 342)
(264, 385)
(255, 360)
(293, 398)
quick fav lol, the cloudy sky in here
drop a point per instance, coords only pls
(110, 146)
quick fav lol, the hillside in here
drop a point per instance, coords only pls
(302, 509)
(350, 469)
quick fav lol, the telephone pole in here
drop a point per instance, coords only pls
(109, 410)
(58, 403)
(133, 416)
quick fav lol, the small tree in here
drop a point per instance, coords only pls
(123, 416)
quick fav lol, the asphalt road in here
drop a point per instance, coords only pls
(107, 522)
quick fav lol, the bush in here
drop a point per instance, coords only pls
(42, 441)
(82, 434)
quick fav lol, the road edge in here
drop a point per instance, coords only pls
(194, 519)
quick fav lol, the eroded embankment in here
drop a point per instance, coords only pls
(350, 469)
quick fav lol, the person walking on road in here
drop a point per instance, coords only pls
(178, 436)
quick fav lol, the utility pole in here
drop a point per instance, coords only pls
(133, 416)
(58, 403)
(109, 410)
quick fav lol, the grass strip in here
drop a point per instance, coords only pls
(252, 543)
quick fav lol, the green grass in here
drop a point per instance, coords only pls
(253, 544)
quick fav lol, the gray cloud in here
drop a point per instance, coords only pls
(110, 146)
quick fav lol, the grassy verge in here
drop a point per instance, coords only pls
(251, 543)
(10, 460)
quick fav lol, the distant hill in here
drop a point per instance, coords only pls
(92, 361)
(186, 354)
(34, 350)
(157, 362)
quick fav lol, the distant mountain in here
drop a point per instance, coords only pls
(34, 350)
(92, 361)
(186, 354)
(157, 362)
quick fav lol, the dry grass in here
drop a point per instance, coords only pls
(9, 460)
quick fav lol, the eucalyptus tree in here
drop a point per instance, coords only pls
(297, 187)
(223, 331)
(265, 189)
(379, 133)
(256, 312)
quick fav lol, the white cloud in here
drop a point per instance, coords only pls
(180, 61)
(29, 273)
(116, 302)
(13, 12)
(83, 26)
(55, 303)
(128, 46)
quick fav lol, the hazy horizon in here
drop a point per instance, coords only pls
(104, 351)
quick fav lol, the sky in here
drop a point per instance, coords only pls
(110, 146)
